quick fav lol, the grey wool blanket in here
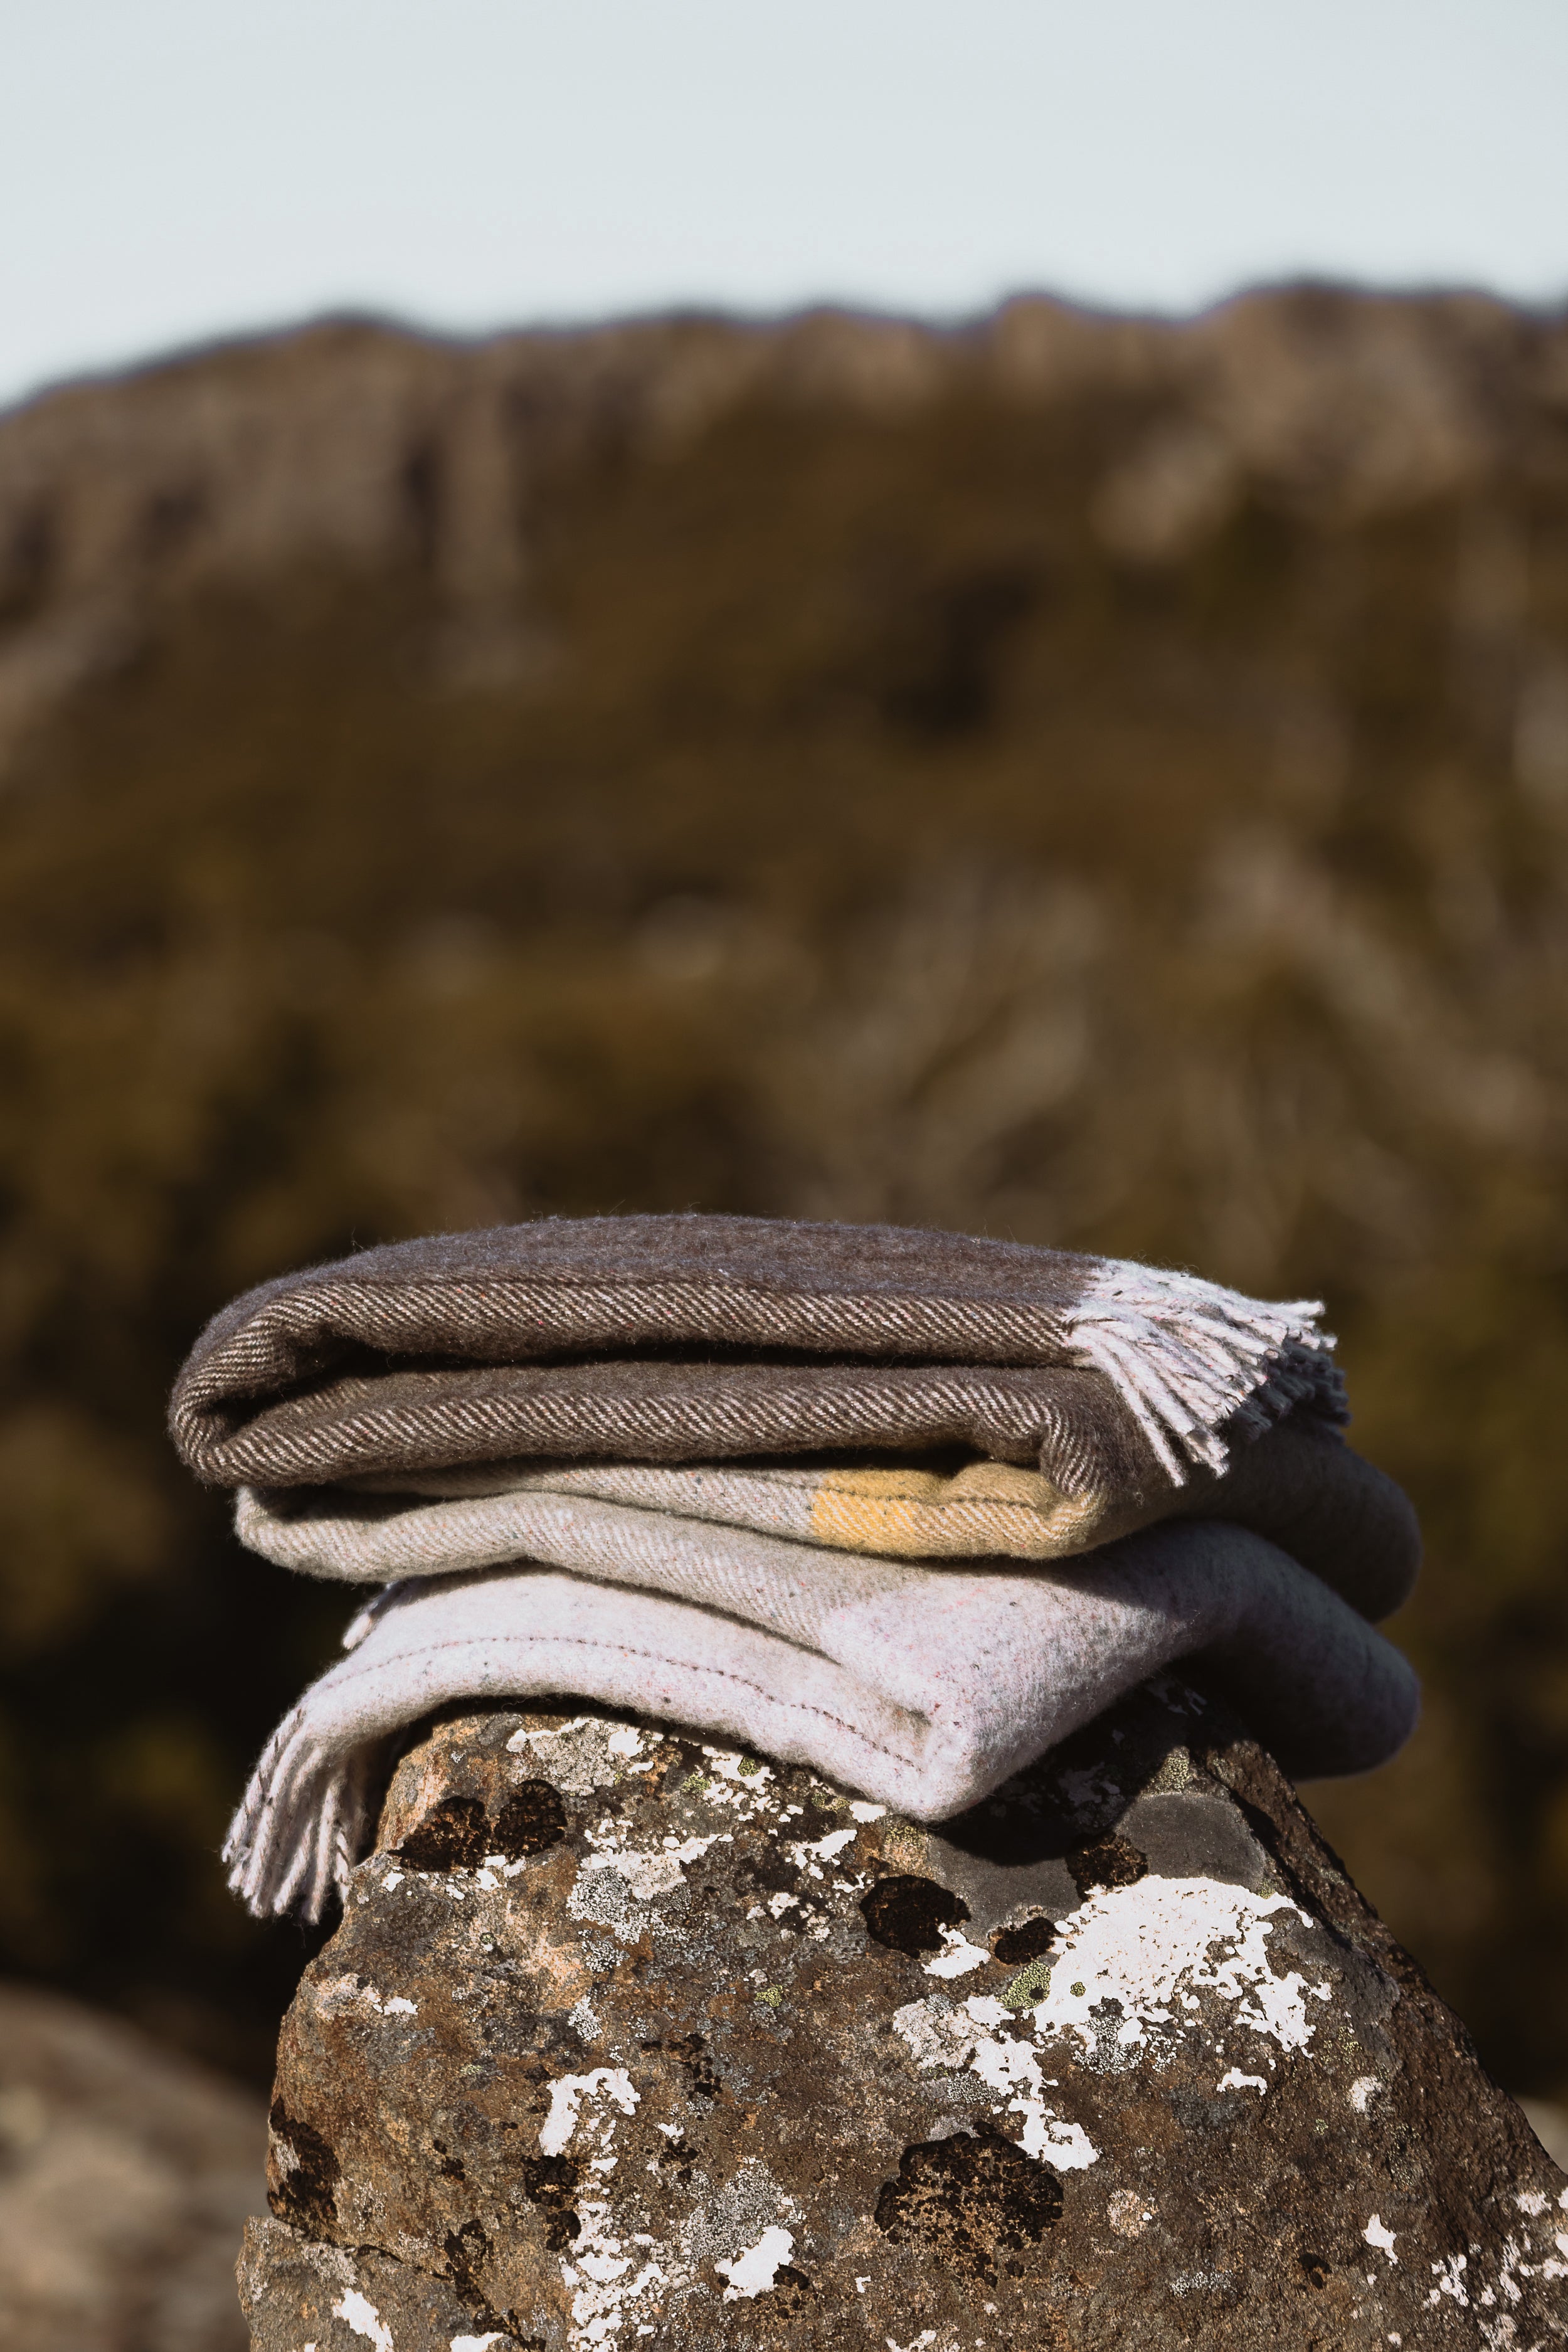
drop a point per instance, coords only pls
(907, 1508)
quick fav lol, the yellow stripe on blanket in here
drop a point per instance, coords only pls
(986, 1508)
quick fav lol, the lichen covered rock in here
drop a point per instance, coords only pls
(628, 2038)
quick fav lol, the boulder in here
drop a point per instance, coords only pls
(126, 2173)
(628, 2037)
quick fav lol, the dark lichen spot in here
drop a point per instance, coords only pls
(1316, 2269)
(791, 2291)
(466, 2250)
(816, 1820)
(976, 2200)
(453, 1835)
(533, 1819)
(691, 2050)
(1030, 1940)
(767, 1870)
(551, 2182)
(305, 2195)
(1107, 1861)
(909, 1914)
(675, 1763)
(677, 2156)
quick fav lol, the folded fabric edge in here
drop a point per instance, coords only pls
(1186, 1355)
(1303, 1490)
(304, 1820)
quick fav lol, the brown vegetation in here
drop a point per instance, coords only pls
(1097, 782)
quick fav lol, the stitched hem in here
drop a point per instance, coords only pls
(623, 1650)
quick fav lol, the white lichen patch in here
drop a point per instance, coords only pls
(348, 1993)
(607, 2277)
(567, 2093)
(358, 2312)
(940, 2038)
(1363, 2091)
(607, 2284)
(1152, 1948)
(741, 1785)
(1375, 2234)
(479, 2343)
(1126, 1978)
(752, 2271)
(1006, 2063)
(824, 1849)
(958, 1958)
(583, 1755)
(650, 1874)
(817, 1858)
(1450, 2277)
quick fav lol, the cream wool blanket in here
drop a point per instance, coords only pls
(923, 1687)
(1300, 1486)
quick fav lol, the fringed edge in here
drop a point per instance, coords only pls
(302, 1825)
(1187, 1357)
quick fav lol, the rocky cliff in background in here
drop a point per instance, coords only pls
(1095, 780)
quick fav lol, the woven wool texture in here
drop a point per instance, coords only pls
(921, 1689)
(1300, 1486)
(907, 1507)
(693, 1339)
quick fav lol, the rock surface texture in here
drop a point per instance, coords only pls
(629, 2039)
(125, 2176)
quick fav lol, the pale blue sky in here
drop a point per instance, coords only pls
(172, 170)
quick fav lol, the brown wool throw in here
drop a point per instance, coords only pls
(693, 1339)
(906, 1506)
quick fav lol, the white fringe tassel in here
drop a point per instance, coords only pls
(1187, 1357)
(304, 1819)
(301, 1827)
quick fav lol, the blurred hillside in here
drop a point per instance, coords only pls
(1100, 781)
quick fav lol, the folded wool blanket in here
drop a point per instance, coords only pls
(698, 1338)
(923, 1687)
(698, 1467)
(1300, 1486)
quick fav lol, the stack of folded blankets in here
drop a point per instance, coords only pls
(907, 1507)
